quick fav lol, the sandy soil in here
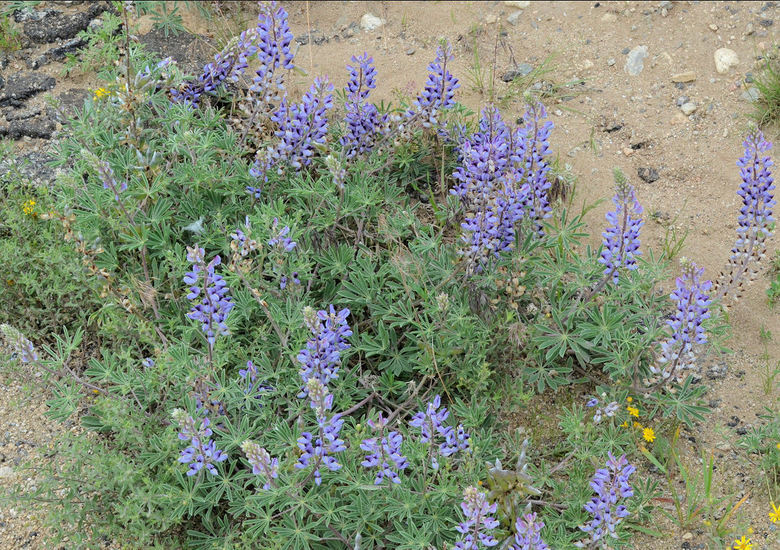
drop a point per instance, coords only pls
(694, 155)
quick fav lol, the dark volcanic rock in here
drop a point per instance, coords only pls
(28, 14)
(33, 167)
(648, 175)
(40, 127)
(23, 114)
(56, 53)
(190, 51)
(19, 87)
(54, 26)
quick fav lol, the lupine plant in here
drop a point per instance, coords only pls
(351, 377)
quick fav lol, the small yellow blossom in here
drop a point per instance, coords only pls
(774, 515)
(649, 434)
(629, 399)
(633, 411)
(624, 424)
(101, 92)
(638, 426)
(29, 207)
(743, 544)
(778, 445)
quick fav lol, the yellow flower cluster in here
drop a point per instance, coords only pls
(101, 93)
(742, 544)
(647, 433)
(29, 208)
(774, 515)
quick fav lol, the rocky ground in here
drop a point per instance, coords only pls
(659, 89)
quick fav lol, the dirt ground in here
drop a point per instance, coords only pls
(612, 120)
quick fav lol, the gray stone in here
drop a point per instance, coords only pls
(688, 108)
(33, 167)
(6, 471)
(523, 69)
(513, 17)
(54, 26)
(20, 87)
(725, 59)
(751, 94)
(28, 14)
(611, 61)
(682, 100)
(636, 60)
(370, 22)
(648, 175)
(410, 51)
(57, 53)
(23, 114)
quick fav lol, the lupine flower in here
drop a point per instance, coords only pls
(431, 423)
(256, 192)
(321, 358)
(105, 173)
(261, 462)
(228, 65)
(215, 305)
(302, 127)
(202, 451)
(439, 92)
(279, 237)
(363, 121)
(240, 243)
(755, 217)
(692, 301)
(532, 147)
(478, 521)
(318, 450)
(490, 191)
(384, 452)
(18, 344)
(295, 280)
(621, 238)
(148, 362)
(528, 533)
(273, 50)
(609, 411)
(611, 485)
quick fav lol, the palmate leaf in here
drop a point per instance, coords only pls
(685, 403)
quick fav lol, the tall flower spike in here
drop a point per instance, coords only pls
(528, 533)
(215, 304)
(105, 173)
(621, 238)
(693, 302)
(611, 485)
(18, 344)
(490, 191)
(755, 216)
(261, 462)
(274, 38)
(228, 65)
(479, 521)
(431, 425)
(363, 121)
(318, 450)
(439, 92)
(302, 128)
(533, 167)
(384, 452)
(321, 358)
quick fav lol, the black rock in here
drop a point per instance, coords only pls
(23, 114)
(57, 53)
(625, 51)
(53, 26)
(523, 69)
(733, 422)
(40, 127)
(190, 51)
(648, 175)
(741, 431)
(20, 87)
(28, 14)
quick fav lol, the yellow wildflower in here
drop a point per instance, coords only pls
(633, 411)
(29, 207)
(624, 424)
(637, 425)
(649, 434)
(101, 92)
(778, 445)
(774, 515)
(743, 544)
(629, 399)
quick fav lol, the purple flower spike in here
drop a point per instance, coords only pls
(621, 238)
(439, 92)
(431, 425)
(533, 148)
(202, 451)
(261, 462)
(479, 521)
(528, 533)
(693, 302)
(317, 450)
(321, 358)
(755, 216)
(611, 485)
(384, 452)
(215, 304)
(274, 38)
(364, 124)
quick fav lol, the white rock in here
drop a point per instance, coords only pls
(369, 22)
(725, 59)
(688, 108)
(635, 61)
(6, 471)
(520, 5)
